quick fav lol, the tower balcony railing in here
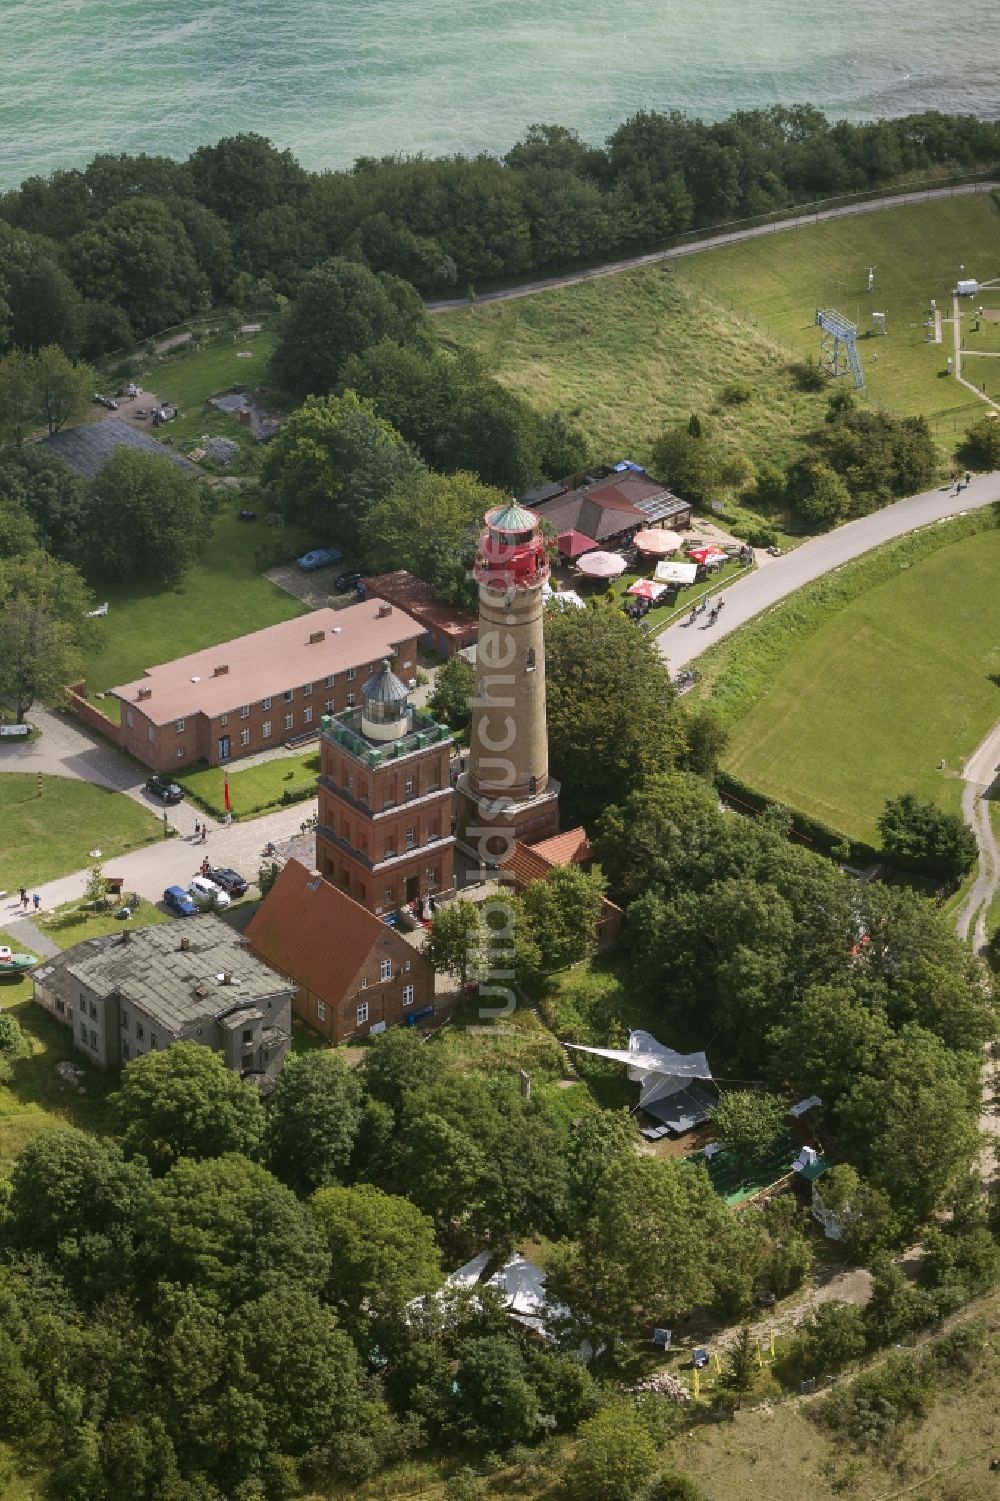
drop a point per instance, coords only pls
(345, 730)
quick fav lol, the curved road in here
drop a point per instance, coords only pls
(710, 242)
(755, 592)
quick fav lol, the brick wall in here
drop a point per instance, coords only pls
(78, 704)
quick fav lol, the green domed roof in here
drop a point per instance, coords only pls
(384, 687)
(511, 518)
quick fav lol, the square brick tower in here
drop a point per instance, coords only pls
(384, 832)
(507, 793)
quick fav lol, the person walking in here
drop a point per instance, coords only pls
(24, 898)
(36, 899)
(968, 478)
(197, 830)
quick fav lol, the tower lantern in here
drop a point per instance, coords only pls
(507, 792)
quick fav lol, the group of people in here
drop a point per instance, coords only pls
(200, 833)
(36, 900)
(957, 481)
(714, 613)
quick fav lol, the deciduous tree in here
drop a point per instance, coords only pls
(147, 520)
(183, 1101)
(313, 1114)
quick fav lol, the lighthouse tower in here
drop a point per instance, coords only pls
(507, 793)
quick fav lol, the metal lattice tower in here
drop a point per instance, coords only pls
(838, 346)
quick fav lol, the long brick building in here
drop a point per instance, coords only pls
(261, 690)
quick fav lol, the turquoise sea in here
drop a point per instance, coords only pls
(336, 79)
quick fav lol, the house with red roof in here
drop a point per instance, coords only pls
(354, 975)
(536, 862)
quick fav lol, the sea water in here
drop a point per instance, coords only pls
(338, 79)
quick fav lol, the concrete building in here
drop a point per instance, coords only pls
(354, 974)
(447, 628)
(143, 989)
(261, 690)
(506, 794)
(384, 833)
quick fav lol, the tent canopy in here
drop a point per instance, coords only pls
(658, 1070)
(676, 573)
(646, 589)
(574, 544)
(707, 554)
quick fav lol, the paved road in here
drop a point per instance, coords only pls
(758, 591)
(710, 242)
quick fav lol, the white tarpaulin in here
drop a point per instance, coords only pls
(658, 1071)
(676, 573)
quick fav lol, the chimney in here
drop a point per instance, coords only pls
(219, 672)
(185, 945)
(383, 611)
(143, 693)
(317, 636)
(227, 978)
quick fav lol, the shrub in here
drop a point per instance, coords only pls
(808, 377)
(877, 1405)
(736, 393)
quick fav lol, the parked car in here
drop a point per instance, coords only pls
(319, 557)
(246, 515)
(105, 401)
(206, 893)
(177, 899)
(230, 880)
(167, 792)
(345, 581)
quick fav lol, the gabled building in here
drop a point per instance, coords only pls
(611, 510)
(134, 992)
(262, 690)
(384, 831)
(354, 975)
(447, 628)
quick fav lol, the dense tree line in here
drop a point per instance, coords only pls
(92, 258)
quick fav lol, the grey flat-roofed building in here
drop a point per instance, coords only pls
(85, 448)
(142, 989)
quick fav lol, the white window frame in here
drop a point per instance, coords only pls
(411, 838)
(350, 674)
(244, 738)
(328, 706)
(223, 719)
(265, 703)
(289, 721)
(307, 714)
(408, 785)
(329, 682)
(289, 695)
(265, 730)
(307, 689)
(409, 992)
(364, 983)
(385, 969)
(244, 711)
(362, 1013)
(350, 700)
(181, 752)
(180, 726)
(321, 1011)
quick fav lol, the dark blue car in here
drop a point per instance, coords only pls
(179, 901)
(319, 557)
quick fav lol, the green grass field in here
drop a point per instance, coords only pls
(628, 354)
(631, 354)
(75, 922)
(223, 596)
(865, 707)
(782, 279)
(51, 835)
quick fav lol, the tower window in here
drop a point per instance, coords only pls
(530, 659)
(532, 786)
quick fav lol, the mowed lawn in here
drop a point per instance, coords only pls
(627, 355)
(223, 596)
(256, 787)
(51, 835)
(917, 251)
(898, 680)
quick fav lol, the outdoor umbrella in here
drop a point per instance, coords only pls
(676, 573)
(707, 554)
(657, 541)
(646, 589)
(602, 565)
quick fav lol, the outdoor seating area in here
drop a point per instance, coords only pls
(736, 1179)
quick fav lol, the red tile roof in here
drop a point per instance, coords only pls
(314, 933)
(410, 593)
(535, 862)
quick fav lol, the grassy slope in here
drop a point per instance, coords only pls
(854, 715)
(47, 836)
(73, 923)
(917, 250)
(633, 353)
(629, 353)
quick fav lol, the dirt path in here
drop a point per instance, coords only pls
(710, 242)
(846, 1285)
(982, 781)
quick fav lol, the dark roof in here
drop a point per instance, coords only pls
(317, 934)
(175, 987)
(605, 508)
(85, 448)
(384, 687)
(548, 491)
